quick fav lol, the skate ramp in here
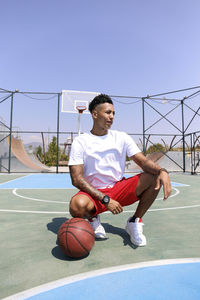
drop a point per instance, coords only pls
(20, 153)
(34, 158)
(20, 159)
(171, 160)
(4, 153)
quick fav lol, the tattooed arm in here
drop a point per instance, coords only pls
(82, 184)
(147, 165)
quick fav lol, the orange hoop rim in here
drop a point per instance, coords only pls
(81, 108)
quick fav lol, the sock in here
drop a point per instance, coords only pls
(92, 219)
(133, 218)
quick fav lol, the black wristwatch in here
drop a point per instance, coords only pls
(105, 200)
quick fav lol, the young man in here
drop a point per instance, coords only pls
(97, 163)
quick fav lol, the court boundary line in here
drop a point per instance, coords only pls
(35, 199)
(67, 213)
(106, 212)
(96, 273)
(14, 191)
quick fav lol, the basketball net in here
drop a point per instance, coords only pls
(80, 110)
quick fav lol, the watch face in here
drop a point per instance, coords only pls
(106, 199)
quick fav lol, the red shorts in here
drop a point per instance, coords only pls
(123, 191)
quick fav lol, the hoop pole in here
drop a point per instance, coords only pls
(79, 123)
(80, 111)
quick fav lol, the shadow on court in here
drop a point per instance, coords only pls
(110, 229)
(120, 232)
(55, 224)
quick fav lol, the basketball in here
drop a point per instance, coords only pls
(76, 237)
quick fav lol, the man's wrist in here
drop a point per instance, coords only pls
(163, 170)
(105, 200)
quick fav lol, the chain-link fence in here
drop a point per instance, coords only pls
(36, 137)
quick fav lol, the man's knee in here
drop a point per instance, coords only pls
(152, 179)
(145, 182)
(80, 206)
(77, 206)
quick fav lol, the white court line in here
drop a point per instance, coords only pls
(64, 202)
(33, 211)
(35, 199)
(159, 209)
(106, 212)
(173, 188)
(95, 273)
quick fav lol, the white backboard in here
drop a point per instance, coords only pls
(72, 99)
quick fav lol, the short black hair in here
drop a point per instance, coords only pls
(100, 99)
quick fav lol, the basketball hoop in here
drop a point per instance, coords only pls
(80, 109)
(77, 102)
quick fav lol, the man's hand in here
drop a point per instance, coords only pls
(114, 206)
(163, 179)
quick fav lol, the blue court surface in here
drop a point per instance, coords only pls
(40, 181)
(47, 181)
(159, 280)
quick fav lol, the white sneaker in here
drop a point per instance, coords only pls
(99, 231)
(134, 229)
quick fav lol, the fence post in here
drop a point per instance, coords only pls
(10, 137)
(143, 126)
(191, 153)
(183, 135)
(194, 161)
(58, 129)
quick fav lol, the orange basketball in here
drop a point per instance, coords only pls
(76, 237)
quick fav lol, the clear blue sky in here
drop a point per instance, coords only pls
(118, 47)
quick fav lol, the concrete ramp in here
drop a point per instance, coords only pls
(171, 160)
(20, 153)
(20, 161)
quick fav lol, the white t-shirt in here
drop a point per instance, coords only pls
(103, 157)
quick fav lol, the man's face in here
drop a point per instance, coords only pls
(103, 115)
